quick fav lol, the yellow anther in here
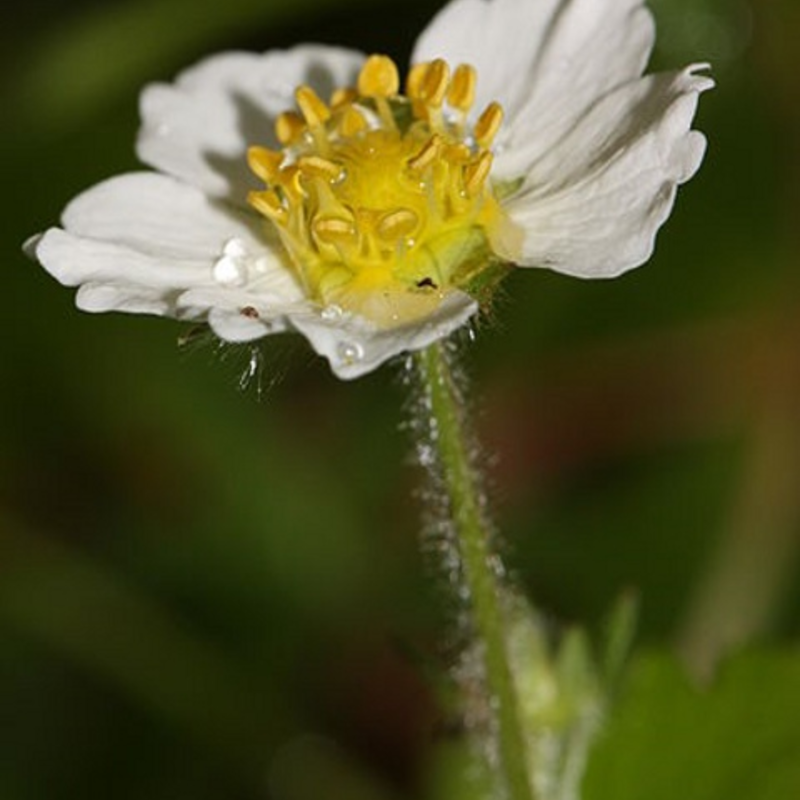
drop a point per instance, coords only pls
(314, 110)
(269, 204)
(378, 197)
(289, 127)
(335, 230)
(289, 181)
(352, 122)
(343, 97)
(433, 87)
(476, 173)
(427, 155)
(396, 224)
(488, 124)
(461, 94)
(319, 167)
(264, 163)
(378, 77)
(414, 80)
(457, 153)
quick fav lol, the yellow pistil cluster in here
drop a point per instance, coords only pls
(379, 198)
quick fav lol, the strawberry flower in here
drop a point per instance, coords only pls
(314, 190)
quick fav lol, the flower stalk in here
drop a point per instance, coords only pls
(480, 565)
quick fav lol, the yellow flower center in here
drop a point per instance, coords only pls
(382, 200)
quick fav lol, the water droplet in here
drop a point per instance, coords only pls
(331, 313)
(231, 268)
(349, 352)
(229, 272)
(235, 248)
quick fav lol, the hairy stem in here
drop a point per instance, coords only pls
(480, 566)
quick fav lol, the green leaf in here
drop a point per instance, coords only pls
(667, 739)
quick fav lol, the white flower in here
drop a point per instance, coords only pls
(363, 220)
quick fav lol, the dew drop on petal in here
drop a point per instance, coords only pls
(229, 272)
(331, 313)
(231, 268)
(349, 352)
(235, 248)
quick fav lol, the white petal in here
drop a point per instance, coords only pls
(74, 260)
(199, 128)
(592, 49)
(591, 207)
(234, 326)
(101, 297)
(143, 242)
(157, 214)
(243, 314)
(543, 60)
(355, 347)
(501, 39)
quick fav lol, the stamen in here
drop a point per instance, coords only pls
(488, 124)
(335, 230)
(318, 167)
(314, 110)
(289, 178)
(269, 204)
(461, 94)
(340, 98)
(457, 153)
(352, 123)
(289, 127)
(427, 155)
(414, 80)
(378, 77)
(434, 84)
(265, 163)
(476, 172)
(397, 224)
(377, 196)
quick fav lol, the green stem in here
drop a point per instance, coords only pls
(479, 563)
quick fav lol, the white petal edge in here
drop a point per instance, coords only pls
(240, 314)
(592, 206)
(199, 128)
(113, 277)
(75, 260)
(544, 61)
(354, 347)
(156, 214)
(98, 298)
(140, 242)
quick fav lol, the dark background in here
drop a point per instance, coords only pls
(213, 590)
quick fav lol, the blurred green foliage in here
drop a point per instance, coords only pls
(737, 739)
(212, 592)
